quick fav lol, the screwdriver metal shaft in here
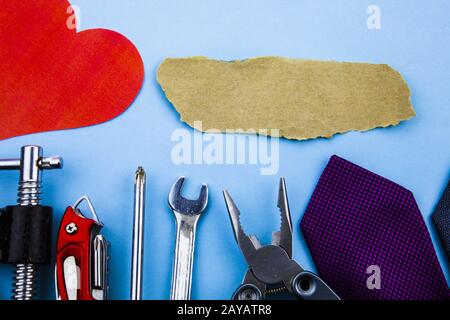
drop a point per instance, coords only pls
(138, 235)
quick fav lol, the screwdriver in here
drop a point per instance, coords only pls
(138, 235)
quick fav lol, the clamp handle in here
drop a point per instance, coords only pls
(31, 156)
(30, 165)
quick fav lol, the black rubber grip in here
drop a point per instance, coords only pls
(5, 231)
(26, 234)
(441, 219)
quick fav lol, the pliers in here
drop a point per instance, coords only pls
(272, 273)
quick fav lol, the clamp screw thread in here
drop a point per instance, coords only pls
(24, 282)
(29, 193)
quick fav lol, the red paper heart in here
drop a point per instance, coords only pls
(52, 77)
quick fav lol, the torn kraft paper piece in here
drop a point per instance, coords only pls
(304, 99)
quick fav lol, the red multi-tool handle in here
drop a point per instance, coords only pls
(74, 239)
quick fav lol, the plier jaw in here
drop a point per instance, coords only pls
(81, 256)
(271, 268)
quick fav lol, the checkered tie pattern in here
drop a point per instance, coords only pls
(357, 219)
(441, 219)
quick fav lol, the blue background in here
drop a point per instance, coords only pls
(100, 161)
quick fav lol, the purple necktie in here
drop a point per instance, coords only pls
(368, 238)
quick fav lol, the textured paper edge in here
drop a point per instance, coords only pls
(400, 120)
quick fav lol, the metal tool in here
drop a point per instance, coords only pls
(81, 256)
(187, 212)
(138, 235)
(271, 269)
(26, 241)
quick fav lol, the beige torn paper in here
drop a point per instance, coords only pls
(304, 99)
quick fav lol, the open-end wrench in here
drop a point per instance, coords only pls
(187, 212)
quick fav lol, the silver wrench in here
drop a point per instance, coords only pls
(187, 212)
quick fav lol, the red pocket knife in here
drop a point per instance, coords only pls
(81, 256)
